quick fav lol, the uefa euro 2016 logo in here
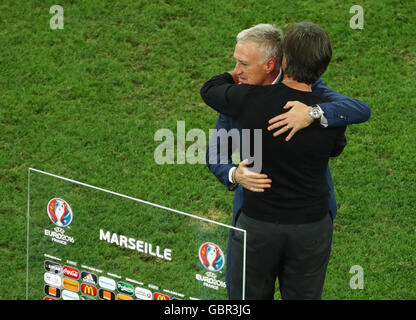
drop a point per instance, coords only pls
(211, 256)
(59, 212)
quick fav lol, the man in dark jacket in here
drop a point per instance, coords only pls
(289, 226)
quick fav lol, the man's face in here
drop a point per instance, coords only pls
(248, 67)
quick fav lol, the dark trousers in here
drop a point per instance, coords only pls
(296, 254)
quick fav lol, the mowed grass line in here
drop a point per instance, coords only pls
(86, 101)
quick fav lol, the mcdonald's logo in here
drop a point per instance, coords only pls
(159, 296)
(88, 290)
(71, 284)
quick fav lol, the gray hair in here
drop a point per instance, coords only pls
(268, 38)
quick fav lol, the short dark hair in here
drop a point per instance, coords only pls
(307, 49)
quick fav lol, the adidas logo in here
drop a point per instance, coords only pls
(89, 277)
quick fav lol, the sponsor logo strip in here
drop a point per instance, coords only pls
(106, 295)
(52, 279)
(89, 277)
(160, 296)
(53, 267)
(123, 297)
(69, 295)
(143, 294)
(107, 283)
(71, 284)
(71, 272)
(126, 288)
(52, 291)
(88, 290)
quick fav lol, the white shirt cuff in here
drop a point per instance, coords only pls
(323, 121)
(230, 174)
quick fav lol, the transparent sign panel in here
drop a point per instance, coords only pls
(89, 243)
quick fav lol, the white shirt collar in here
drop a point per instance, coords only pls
(278, 78)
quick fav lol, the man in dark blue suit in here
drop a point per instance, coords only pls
(261, 66)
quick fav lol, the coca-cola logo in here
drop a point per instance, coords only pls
(71, 272)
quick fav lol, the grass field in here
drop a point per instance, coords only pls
(85, 103)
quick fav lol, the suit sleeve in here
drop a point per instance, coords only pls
(222, 95)
(340, 142)
(340, 110)
(218, 155)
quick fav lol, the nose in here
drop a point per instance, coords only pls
(237, 69)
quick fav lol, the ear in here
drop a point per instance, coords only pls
(271, 64)
(284, 62)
